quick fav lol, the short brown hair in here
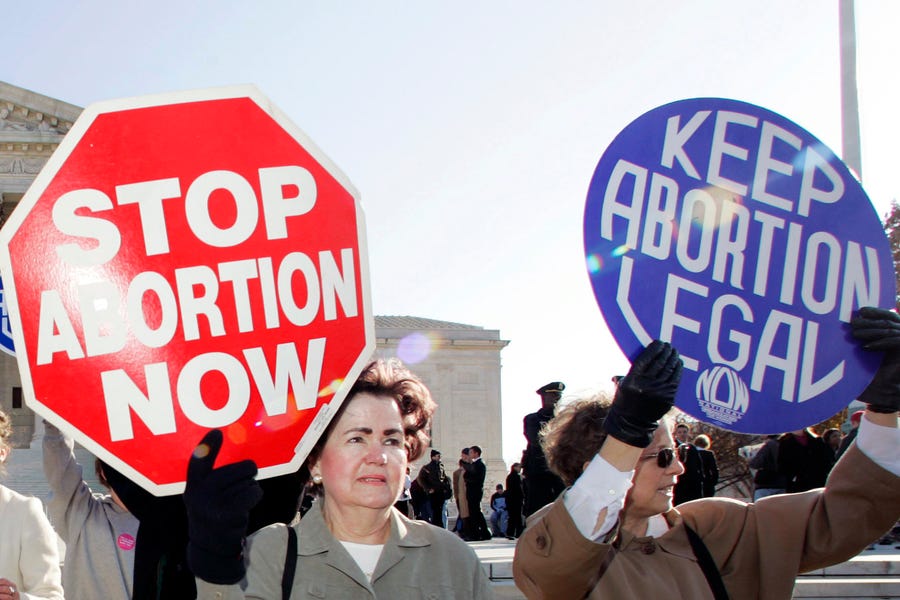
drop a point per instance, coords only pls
(702, 441)
(391, 378)
(575, 435)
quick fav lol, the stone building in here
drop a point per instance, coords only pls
(460, 363)
(461, 366)
(31, 128)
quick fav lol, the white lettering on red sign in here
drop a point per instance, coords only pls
(155, 407)
(109, 316)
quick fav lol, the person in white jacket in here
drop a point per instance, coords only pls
(29, 557)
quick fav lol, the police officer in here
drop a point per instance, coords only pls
(541, 486)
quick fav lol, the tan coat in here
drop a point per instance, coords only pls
(759, 548)
(459, 492)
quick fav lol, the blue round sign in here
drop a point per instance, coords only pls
(736, 235)
(6, 340)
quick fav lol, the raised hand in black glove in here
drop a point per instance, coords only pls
(218, 503)
(879, 329)
(644, 395)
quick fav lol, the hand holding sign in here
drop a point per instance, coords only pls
(645, 395)
(218, 504)
(880, 330)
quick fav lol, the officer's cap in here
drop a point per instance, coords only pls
(553, 386)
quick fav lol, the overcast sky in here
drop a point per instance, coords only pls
(472, 129)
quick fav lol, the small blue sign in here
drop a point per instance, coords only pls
(736, 235)
(6, 340)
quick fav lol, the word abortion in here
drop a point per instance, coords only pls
(727, 235)
(104, 316)
(106, 319)
(721, 243)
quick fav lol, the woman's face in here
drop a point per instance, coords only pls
(651, 490)
(363, 462)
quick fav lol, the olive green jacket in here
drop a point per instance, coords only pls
(419, 560)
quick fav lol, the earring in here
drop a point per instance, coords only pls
(317, 479)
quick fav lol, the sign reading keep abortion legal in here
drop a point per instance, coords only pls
(736, 235)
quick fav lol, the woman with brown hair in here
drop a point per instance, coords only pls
(353, 543)
(615, 533)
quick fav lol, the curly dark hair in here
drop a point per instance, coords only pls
(391, 378)
(574, 435)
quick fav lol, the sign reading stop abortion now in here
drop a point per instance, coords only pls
(735, 234)
(184, 262)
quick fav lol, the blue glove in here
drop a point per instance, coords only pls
(879, 329)
(645, 395)
(218, 503)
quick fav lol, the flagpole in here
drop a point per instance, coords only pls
(852, 153)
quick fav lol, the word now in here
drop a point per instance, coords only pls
(156, 409)
(149, 197)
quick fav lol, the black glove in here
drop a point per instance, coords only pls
(645, 395)
(218, 503)
(879, 329)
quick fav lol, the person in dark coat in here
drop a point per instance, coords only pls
(542, 485)
(690, 483)
(832, 438)
(709, 464)
(474, 478)
(433, 479)
(514, 498)
(419, 500)
(804, 460)
(854, 429)
(768, 480)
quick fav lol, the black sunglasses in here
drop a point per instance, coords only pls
(664, 458)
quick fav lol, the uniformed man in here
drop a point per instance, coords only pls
(541, 485)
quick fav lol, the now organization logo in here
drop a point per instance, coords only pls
(722, 395)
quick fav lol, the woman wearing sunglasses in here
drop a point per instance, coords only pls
(615, 534)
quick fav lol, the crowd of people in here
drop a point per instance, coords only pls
(799, 460)
(433, 489)
(619, 499)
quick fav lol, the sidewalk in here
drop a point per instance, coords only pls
(873, 573)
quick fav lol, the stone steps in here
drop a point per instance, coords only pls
(833, 588)
(874, 574)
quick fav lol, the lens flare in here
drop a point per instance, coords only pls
(202, 451)
(237, 433)
(414, 348)
(331, 388)
(594, 263)
(620, 251)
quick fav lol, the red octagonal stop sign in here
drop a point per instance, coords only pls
(185, 262)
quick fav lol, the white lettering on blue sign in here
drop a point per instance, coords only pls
(736, 235)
